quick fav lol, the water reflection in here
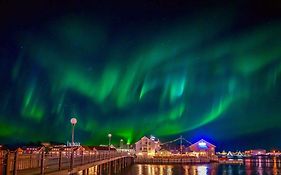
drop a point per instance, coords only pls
(202, 170)
(147, 169)
(257, 166)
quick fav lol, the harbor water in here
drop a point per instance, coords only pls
(257, 166)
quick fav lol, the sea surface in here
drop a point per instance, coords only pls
(260, 166)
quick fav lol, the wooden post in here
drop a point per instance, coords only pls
(101, 169)
(72, 159)
(82, 158)
(42, 168)
(15, 163)
(7, 163)
(98, 170)
(30, 161)
(60, 159)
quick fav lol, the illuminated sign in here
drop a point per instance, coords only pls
(202, 144)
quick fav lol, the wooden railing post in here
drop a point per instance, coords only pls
(60, 159)
(72, 159)
(82, 158)
(30, 161)
(7, 163)
(42, 168)
(15, 163)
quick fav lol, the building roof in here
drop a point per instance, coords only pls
(102, 148)
(32, 147)
(62, 148)
(202, 140)
(89, 148)
(144, 137)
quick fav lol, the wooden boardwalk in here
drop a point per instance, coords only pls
(66, 169)
(35, 164)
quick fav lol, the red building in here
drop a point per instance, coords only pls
(203, 148)
(32, 149)
(66, 150)
(103, 149)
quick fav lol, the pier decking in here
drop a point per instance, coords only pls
(35, 164)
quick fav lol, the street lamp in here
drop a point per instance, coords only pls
(109, 141)
(73, 121)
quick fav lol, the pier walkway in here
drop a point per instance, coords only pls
(42, 163)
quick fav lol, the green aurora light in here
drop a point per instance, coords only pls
(168, 81)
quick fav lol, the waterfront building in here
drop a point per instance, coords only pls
(163, 152)
(104, 149)
(19, 150)
(2, 150)
(66, 150)
(255, 152)
(203, 148)
(125, 150)
(274, 153)
(229, 155)
(89, 150)
(239, 155)
(32, 149)
(147, 146)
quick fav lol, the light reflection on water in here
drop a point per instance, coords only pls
(148, 169)
(259, 166)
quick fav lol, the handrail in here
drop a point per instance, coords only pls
(43, 162)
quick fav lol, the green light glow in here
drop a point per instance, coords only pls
(181, 78)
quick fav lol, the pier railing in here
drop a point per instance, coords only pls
(41, 163)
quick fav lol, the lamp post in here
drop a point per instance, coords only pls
(73, 121)
(109, 142)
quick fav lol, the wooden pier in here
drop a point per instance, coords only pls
(42, 163)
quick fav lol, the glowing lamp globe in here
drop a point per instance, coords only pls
(109, 135)
(73, 121)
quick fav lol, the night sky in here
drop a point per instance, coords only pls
(168, 68)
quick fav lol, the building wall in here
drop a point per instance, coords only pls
(203, 148)
(147, 147)
(256, 152)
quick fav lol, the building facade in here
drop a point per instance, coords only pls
(203, 148)
(147, 146)
(255, 152)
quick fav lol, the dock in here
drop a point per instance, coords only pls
(38, 164)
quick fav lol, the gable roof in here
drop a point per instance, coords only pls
(102, 148)
(63, 148)
(202, 140)
(37, 148)
(229, 153)
(142, 138)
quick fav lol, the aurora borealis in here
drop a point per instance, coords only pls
(211, 72)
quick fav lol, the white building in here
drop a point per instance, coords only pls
(147, 146)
